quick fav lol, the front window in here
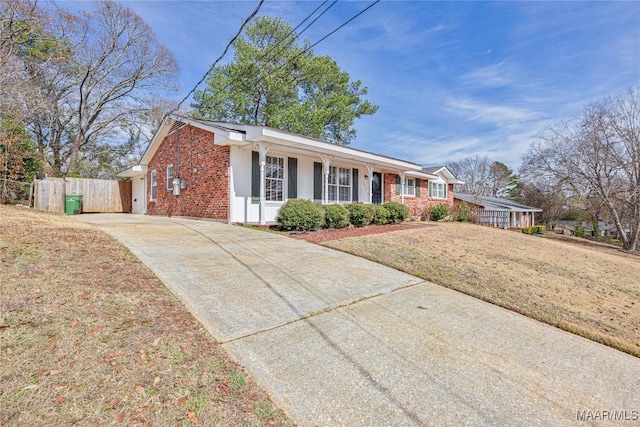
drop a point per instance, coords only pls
(170, 177)
(339, 184)
(274, 179)
(154, 185)
(437, 190)
(411, 187)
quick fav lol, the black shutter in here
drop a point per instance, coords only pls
(354, 188)
(317, 181)
(255, 177)
(398, 185)
(417, 187)
(292, 190)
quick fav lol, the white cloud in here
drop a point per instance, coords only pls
(497, 114)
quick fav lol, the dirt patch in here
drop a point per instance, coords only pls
(593, 291)
(89, 336)
(326, 235)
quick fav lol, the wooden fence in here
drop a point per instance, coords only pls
(98, 195)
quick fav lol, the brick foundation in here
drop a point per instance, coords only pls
(202, 164)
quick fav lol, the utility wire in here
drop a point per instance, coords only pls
(330, 34)
(226, 49)
(272, 49)
(314, 44)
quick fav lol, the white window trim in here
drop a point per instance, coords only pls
(154, 184)
(407, 187)
(338, 186)
(283, 180)
(444, 189)
(169, 177)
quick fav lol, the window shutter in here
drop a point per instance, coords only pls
(354, 188)
(417, 187)
(292, 190)
(317, 181)
(398, 185)
(255, 177)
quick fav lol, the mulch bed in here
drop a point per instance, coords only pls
(327, 234)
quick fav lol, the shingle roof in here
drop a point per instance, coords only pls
(495, 203)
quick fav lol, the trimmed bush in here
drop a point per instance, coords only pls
(380, 215)
(397, 212)
(536, 229)
(336, 216)
(439, 212)
(300, 214)
(360, 214)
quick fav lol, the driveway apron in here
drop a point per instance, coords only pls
(338, 340)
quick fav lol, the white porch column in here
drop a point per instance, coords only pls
(533, 219)
(326, 162)
(263, 149)
(402, 184)
(370, 172)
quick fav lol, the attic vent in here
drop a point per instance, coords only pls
(177, 124)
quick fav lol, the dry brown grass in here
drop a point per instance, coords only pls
(89, 336)
(590, 291)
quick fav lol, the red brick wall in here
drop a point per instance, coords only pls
(202, 164)
(418, 206)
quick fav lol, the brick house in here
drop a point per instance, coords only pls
(245, 173)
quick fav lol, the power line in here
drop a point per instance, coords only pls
(271, 49)
(325, 37)
(267, 54)
(226, 49)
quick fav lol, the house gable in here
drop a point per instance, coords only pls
(202, 168)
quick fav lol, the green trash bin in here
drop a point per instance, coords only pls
(73, 204)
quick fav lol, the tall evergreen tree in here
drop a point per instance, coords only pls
(278, 82)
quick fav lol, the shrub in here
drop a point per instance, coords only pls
(580, 230)
(397, 211)
(380, 215)
(336, 216)
(463, 212)
(360, 214)
(300, 214)
(535, 229)
(439, 212)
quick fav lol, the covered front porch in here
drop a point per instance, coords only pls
(269, 167)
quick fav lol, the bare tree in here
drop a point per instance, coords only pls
(474, 171)
(86, 99)
(484, 177)
(598, 155)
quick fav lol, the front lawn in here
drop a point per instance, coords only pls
(590, 291)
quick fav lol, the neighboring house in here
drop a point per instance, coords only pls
(245, 173)
(498, 212)
(569, 227)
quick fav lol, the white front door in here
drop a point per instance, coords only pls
(139, 195)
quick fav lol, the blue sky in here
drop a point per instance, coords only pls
(451, 78)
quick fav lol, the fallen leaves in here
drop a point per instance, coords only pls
(110, 348)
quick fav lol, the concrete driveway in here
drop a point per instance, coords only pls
(337, 340)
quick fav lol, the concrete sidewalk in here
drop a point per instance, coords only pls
(338, 340)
